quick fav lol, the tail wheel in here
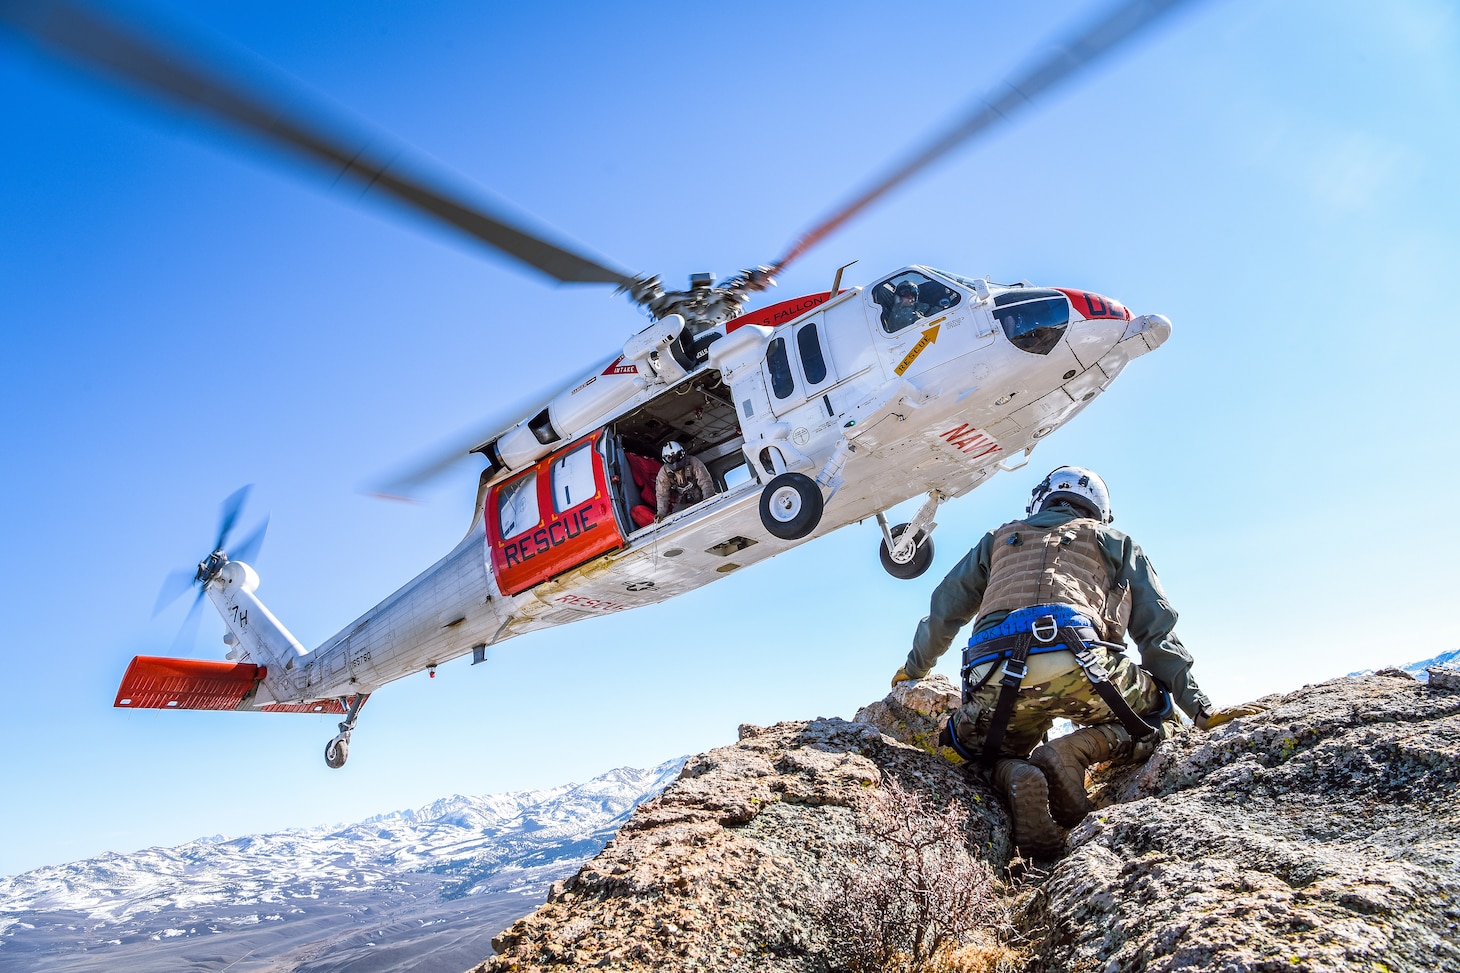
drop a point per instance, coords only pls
(909, 566)
(790, 506)
(335, 753)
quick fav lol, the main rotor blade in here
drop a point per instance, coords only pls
(78, 35)
(1081, 51)
(407, 480)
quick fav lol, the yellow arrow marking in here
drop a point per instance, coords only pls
(928, 338)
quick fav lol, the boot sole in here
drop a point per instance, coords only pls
(1035, 831)
(1066, 808)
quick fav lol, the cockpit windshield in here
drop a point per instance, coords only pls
(1033, 319)
(908, 297)
(959, 278)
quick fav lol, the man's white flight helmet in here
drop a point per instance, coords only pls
(1072, 484)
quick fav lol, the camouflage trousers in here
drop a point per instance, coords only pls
(1066, 694)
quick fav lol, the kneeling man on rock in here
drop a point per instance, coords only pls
(1055, 595)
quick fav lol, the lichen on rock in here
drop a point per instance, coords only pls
(1323, 834)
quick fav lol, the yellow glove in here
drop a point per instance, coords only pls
(901, 676)
(1210, 721)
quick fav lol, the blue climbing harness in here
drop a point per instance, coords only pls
(1034, 631)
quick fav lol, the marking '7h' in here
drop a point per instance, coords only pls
(241, 617)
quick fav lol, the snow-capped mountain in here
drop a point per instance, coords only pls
(306, 895)
(1449, 660)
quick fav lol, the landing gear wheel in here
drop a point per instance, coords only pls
(336, 751)
(911, 565)
(790, 506)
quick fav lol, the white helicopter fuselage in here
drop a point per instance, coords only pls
(872, 416)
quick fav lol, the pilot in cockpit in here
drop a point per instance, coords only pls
(907, 309)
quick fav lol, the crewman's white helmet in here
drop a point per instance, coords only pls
(1073, 484)
(672, 455)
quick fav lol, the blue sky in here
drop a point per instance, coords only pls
(183, 314)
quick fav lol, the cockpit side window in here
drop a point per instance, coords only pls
(908, 297)
(1033, 319)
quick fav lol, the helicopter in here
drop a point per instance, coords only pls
(809, 414)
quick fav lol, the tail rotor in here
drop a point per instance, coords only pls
(178, 582)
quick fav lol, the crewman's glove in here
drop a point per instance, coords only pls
(1210, 721)
(901, 676)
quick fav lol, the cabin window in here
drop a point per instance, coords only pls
(1037, 325)
(778, 363)
(909, 297)
(573, 481)
(517, 506)
(812, 362)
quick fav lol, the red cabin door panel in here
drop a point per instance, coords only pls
(552, 517)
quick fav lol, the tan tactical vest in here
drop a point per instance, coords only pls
(1060, 565)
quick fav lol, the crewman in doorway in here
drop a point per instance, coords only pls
(683, 481)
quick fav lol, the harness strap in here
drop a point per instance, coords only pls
(1100, 681)
(1044, 636)
(978, 653)
(1014, 671)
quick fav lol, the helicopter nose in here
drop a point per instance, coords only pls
(1106, 322)
(1153, 329)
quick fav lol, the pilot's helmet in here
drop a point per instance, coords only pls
(1077, 486)
(673, 455)
(906, 289)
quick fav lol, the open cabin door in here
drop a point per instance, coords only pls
(553, 516)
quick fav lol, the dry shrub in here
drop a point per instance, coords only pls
(909, 897)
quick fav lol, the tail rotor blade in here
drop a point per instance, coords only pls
(176, 585)
(187, 633)
(247, 550)
(228, 514)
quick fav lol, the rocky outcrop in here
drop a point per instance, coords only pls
(1323, 834)
(729, 868)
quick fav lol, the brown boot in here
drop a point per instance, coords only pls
(1027, 795)
(1063, 761)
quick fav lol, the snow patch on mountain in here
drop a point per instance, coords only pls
(515, 843)
(1445, 660)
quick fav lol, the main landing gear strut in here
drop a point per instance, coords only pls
(906, 550)
(338, 749)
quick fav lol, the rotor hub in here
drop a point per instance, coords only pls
(209, 568)
(704, 305)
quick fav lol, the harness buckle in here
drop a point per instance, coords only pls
(1014, 672)
(1042, 625)
(1094, 671)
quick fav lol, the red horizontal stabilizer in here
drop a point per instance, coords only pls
(313, 706)
(157, 683)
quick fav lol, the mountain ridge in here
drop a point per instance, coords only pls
(441, 856)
